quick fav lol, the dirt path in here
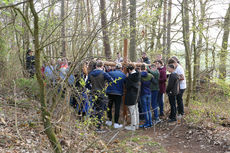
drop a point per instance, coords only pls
(173, 139)
(182, 139)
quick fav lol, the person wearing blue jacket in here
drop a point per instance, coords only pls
(115, 92)
(96, 83)
(50, 73)
(146, 80)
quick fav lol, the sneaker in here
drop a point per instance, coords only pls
(145, 125)
(179, 118)
(117, 126)
(130, 128)
(100, 131)
(109, 123)
(156, 121)
(171, 120)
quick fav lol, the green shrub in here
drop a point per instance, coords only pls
(29, 86)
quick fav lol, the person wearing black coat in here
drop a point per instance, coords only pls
(30, 62)
(132, 83)
(172, 90)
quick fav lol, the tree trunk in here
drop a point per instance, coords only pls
(106, 43)
(194, 50)
(26, 37)
(63, 50)
(124, 18)
(88, 25)
(164, 30)
(200, 44)
(46, 117)
(185, 24)
(132, 45)
(224, 51)
(169, 29)
(154, 25)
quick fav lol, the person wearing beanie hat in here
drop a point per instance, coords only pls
(115, 92)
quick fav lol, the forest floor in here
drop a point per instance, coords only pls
(21, 132)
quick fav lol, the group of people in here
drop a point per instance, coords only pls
(143, 86)
(144, 89)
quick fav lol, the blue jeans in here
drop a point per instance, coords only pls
(154, 104)
(160, 103)
(145, 102)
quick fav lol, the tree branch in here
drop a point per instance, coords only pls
(13, 5)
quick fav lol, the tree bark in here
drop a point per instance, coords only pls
(89, 24)
(164, 30)
(45, 113)
(106, 42)
(124, 18)
(224, 51)
(156, 19)
(63, 50)
(132, 45)
(26, 38)
(185, 24)
(169, 29)
(194, 49)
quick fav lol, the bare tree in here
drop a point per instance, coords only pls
(45, 113)
(164, 29)
(185, 24)
(105, 29)
(193, 46)
(224, 51)
(132, 46)
(63, 51)
(169, 28)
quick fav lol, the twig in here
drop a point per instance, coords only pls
(171, 131)
(113, 137)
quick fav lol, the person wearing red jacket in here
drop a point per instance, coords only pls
(162, 85)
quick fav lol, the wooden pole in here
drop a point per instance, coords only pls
(125, 109)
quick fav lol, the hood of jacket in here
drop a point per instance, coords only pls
(96, 72)
(162, 68)
(134, 77)
(144, 74)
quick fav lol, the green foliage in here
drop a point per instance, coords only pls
(7, 2)
(223, 86)
(28, 85)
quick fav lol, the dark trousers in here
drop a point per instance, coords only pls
(180, 105)
(154, 104)
(99, 106)
(116, 99)
(160, 102)
(172, 101)
(141, 115)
